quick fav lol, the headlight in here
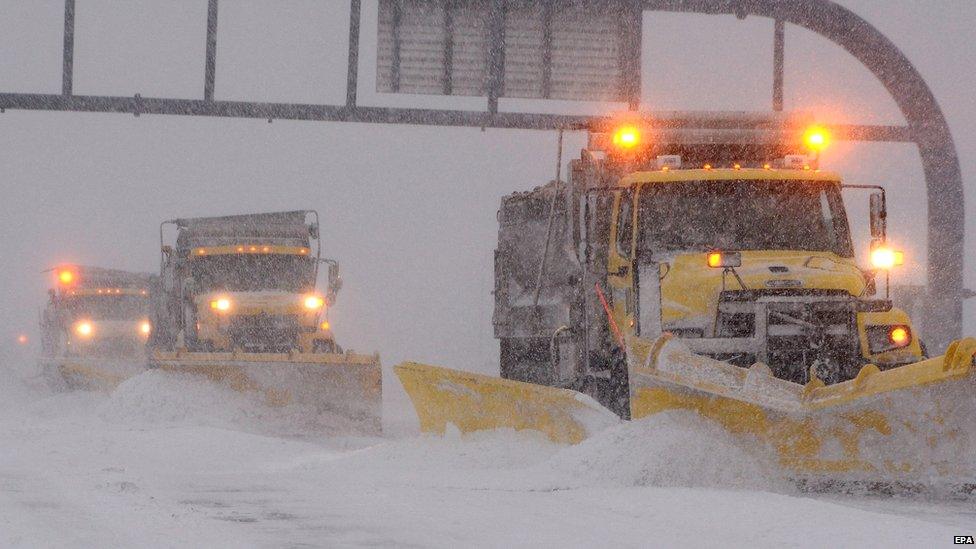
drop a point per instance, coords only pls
(145, 327)
(84, 329)
(221, 304)
(888, 337)
(314, 302)
(886, 258)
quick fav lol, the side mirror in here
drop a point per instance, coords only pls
(313, 230)
(167, 251)
(870, 283)
(335, 281)
(879, 217)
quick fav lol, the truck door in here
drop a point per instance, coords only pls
(620, 276)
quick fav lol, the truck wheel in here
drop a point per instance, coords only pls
(619, 388)
(596, 388)
(614, 392)
(526, 359)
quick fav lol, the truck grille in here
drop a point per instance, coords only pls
(802, 329)
(264, 333)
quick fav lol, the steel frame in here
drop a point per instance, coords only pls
(926, 126)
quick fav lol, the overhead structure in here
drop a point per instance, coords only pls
(571, 50)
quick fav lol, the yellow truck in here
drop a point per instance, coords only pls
(711, 271)
(95, 326)
(238, 301)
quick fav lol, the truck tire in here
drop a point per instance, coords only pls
(619, 390)
(597, 388)
(526, 359)
(613, 391)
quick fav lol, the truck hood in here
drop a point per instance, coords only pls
(253, 303)
(690, 289)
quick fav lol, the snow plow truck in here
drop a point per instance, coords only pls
(713, 271)
(95, 327)
(237, 301)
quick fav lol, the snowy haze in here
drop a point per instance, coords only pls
(408, 211)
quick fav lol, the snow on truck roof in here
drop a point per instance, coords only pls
(296, 217)
(282, 229)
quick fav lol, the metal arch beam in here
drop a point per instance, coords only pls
(926, 124)
(391, 115)
(68, 57)
(946, 218)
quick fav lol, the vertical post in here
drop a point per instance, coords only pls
(496, 53)
(547, 13)
(395, 62)
(68, 61)
(779, 45)
(448, 46)
(630, 15)
(352, 74)
(211, 67)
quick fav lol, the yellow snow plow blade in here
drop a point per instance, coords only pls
(90, 373)
(474, 402)
(345, 385)
(911, 425)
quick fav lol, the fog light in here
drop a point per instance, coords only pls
(884, 338)
(900, 336)
(221, 304)
(726, 260)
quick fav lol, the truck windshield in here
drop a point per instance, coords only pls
(251, 273)
(743, 215)
(116, 307)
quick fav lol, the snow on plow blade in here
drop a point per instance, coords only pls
(474, 402)
(344, 385)
(90, 373)
(911, 426)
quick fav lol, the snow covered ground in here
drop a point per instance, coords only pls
(165, 461)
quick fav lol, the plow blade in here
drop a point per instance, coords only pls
(908, 427)
(338, 385)
(90, 373)
(473, 402)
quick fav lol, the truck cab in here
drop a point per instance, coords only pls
(733, 241)
(746, 249)
(246, 283)
(96, 312)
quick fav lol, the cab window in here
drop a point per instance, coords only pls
(625, 224)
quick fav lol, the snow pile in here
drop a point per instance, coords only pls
(26, 392)
(593, 416)
(156, 397)
(12, 388)
(145, 466)
(675, 449)
(667, 450)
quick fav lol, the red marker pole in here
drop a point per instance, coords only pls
(613, 323)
